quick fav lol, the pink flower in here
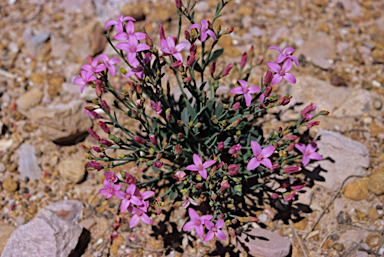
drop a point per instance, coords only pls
(168, 47)
(119, 22)
(92, 114)
(109, 189)
(312, 123)
(290, 170)
(234, 149)
(157, 164)
(306, 112)
(130, 28)
(93, 164)
(139, 140)
(105, 105)
(282, 72)
(214, 230)
(132, 47)
(110, 176)
(309, 152)
(268, 77)
(227, 69)
(220, 147)
(199, 166)
(139, 215)
(93, 66)
(153, 139)
(261, 156)
(188, 201)
(236, 106)
(286, 53)
(129, 179)
(144, 196)
(233, 169)
(161, 32)
(128, 198)
(196, 222)
(156, 107)
(290, 196)
(246, 90)
(84, 79)
(179, 176)
(204, 30)
(298, 187)
(109, 64)
(274, 196)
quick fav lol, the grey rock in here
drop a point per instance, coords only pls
(257, 32)
(35, 44)
(349, 158)
(29, 99)
(48, 234)
(28, 166)
(357, 103)
(266, 243)
(89, 94)
(318, 48)
(62, 123)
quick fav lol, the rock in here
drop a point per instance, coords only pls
(88, 40)
(10, 185)
(377, 104)
(378, 55)
(356, 190)
(48, 234)
(301, 225)
(373, 214)
(84, 7)
(343, 218)
(34, 45)
(5, 233)
(318, 49)
(62, 123)
(60, 48)
(266, 243)
(306, 197)
(36, 79)
(28, 166)
(72, 170)
(201, 6)
(349, 158)
(87, 223)
(2, 167)
(29, 99)
(351, 236)
(357, 103)
(376, 182)
(54, 85)
(133, 10)
(328, 244)
(338, 81)
(89, 93)
(338, 247)
(257, 32)
(69, 210)
(5, 144)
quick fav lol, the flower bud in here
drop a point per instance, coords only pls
(138, 104)
(291, 147)
(310, 108)
(235, 123)
(161, 32)
(105, 105)
(227, 222)
(193, 49)
(180, 135)
(98, 90)
(97, 149)
(187, 35)
(220, 147)
(268, 91)
(139, 140)
(213, 68)
(105, 142)
(165, 144)
(324, 113)
(148, 40)
(214, 120)
(157, 164)
(131, 85)
(231, 232)
(178, 149)
(104, 127)
(230, 30)
(158, 211)
(191, 60)
(198, 125)
(187, 79)
(312, 123)
(93, 134)
(139, 89)
(177, 64)
(260, 61)
(268, 77)
(180, 123)
(238, 133)
(134, 113)
(284, 101)
(227, 69)
(274, 196)
(153, 139)
(290, 170)
(168, 117)
(251, 51)
(199, 185)
(236, 106)
(151, 151)
(233, 169)
(243, 60)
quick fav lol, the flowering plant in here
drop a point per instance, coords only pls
(200, 150)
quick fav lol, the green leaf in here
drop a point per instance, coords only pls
(202, 85)
(210, 104)
(146, 177)
(210, 139)
(238, 116)
(191, 111)
(213, 57)
(185, 119)
(173, 195)
(226, 142)
(155, 169)
(219, 109)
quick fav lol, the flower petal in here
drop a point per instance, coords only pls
(193, 214)
(130, 28)
(206, 218)
(243, 83)
(132, 40)
(274, 66)
(208, 164)
(140, 35)
(220, 223)
(237, 90)
(253, 164)
(248, 99)
(124, 205)
(276, 79)
(256, 148)
(170, 42)
(178, 56)
(136, 200)
(305, 160)
(209, 224)
(181, 46)
(268, 151)
(253, 89)
(142, 47)
(120, 194)
(290, 78)
(288, 50)
(280, 58)
(131, 57)
(114, 61)
(195, 26)
(110, 23)
(203, 35)
(146, 219)
(192, 167)
(212, 34)
(300, 147)
(189, 226)
(199, 231)
(209, 236)
(267, 163)
(134, 220)
(293, 58)
(276, 48)
(123, 46)
(203, 173)
(287, 66)
(315, 156)
(147, 194)
(220, 235)
(197, 160)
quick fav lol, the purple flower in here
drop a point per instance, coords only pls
(261, 156)
(204, 30)
(187, 202)
(246, 90)
(144, 196)
(199, 166)
(129, 179)
(286, 53)
(137, 70)
(84, 79)
(130, 28)
(196, 222)
(132, 47)
(156, 107)
(214, 230)
(281, 72)
(309, 152)
(109, 189)
(138, 215)
(119, 22)
(110, 176)
(168, 47)
(128, 198)
(93, 66)
(234, 149)
(109, 64)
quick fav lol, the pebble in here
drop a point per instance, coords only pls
(373, 213)
(28, 165)
(72, 170)
(301, 225)
(10, 185)
(373, 240)
(338, 247)
(2, 167)
(376, 182)
(376, 83)
(5, 233)
(377, 104)
(356, 190)
(343, 218)
(29, 99)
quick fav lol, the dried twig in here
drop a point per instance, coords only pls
(301, 243)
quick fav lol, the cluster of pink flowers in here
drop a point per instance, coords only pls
(197, 223)
(130, 198)
(281, 72)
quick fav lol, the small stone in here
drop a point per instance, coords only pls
(33, 209)
(376, 83)
(373, 240)
(10, 185)
(2, 167)
(263, 243)
(28, 166)
(360, 215)
(338, 81)
(356, 190)
(29, 99)
(54, 85)
(328, 244)
(378, 55)
(376, 182)
(36, 79)
(343, 218)
(373, 214)
(5, 233)
(72, 170)
(338, 247)
(133, 10)
(301, 225)
(377, 104)
(87, 223)
(366, 85)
